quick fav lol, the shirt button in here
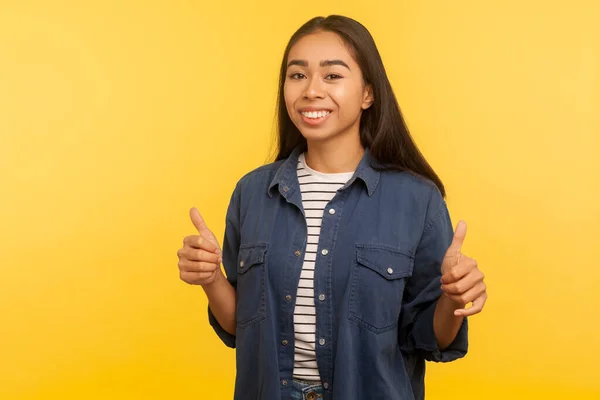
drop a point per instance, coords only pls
(325, 385)
(242, 264)
(297, 253)
(321, 297)
(331, 211)
(284, 342)
(284, 382)
(324, 252)
(322, 342)
(390, 271)
(288, 297)
(285, 188)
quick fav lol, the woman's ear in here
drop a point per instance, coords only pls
(367, 97)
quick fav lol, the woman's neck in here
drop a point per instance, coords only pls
(335, 156)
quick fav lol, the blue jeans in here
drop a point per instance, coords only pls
(306, 390)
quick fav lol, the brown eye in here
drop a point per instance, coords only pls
(297, 75)
(331, 77)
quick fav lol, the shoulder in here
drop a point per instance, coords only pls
(410, 184)
(412, 191)
(420, 197)
(259, 178)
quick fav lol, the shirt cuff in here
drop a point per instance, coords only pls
(225, 336)
(426, 341)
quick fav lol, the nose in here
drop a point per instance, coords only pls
(313, 89)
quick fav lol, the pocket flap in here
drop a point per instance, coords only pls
(391, 264)
(250, 256)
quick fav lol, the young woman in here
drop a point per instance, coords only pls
(343, 273)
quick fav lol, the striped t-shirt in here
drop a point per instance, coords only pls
(317, 190)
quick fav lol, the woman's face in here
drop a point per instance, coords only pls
(324, 90)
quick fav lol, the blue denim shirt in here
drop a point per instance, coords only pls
(378, 267)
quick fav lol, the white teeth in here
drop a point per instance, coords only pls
(315, 114)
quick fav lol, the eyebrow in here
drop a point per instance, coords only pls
(324, 63)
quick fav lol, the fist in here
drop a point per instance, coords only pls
(462, 281)
(200, 257)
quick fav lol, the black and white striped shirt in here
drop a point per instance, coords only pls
(317, 190)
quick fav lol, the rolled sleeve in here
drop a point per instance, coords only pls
(425, 341)
(422, 292)
(225, 336)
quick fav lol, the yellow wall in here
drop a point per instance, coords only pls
(117, 116)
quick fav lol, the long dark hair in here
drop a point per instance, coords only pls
(382, 127)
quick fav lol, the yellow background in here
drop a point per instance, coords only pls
(117, 116)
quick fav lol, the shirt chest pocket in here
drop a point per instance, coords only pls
(250, 291)
(377, 286)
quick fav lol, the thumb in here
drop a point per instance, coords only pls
(197, 220)
(459, 237)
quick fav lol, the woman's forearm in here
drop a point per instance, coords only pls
(221, 300)
(445, 324)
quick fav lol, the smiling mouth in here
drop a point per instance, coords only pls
(315, 118)
(315, 115)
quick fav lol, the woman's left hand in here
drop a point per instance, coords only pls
(462, 281)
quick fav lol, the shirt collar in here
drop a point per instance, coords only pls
(286, 177)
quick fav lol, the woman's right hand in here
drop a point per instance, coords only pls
(200, 257)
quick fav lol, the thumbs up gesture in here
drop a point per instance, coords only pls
(462, 281)
(200, 257)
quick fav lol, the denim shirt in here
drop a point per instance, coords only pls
(377, 282)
